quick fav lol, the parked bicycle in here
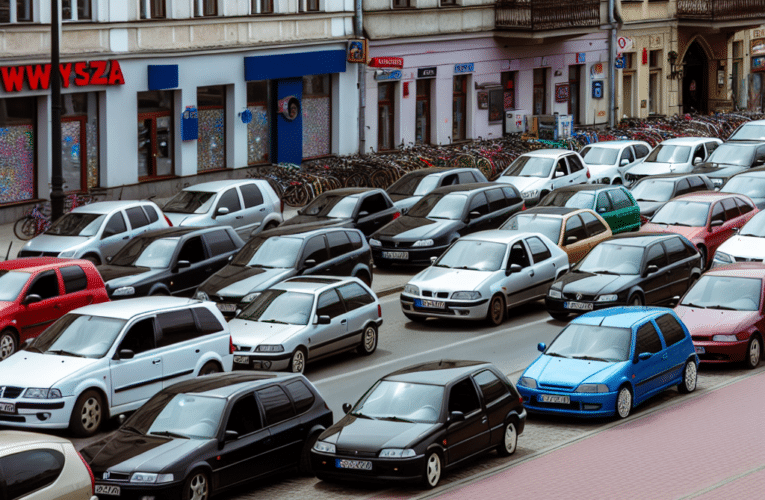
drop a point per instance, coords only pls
(38, 220)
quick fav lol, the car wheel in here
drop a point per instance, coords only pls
(271, 225)
(304, 466)
(297, 362)
(197, 486)
(635, 300)
(209, 368)
(8, 344)
(509, 440)
(624, 402)
(752, 360)
(368, 340)
(364, 277)
(432, 474)
(93, 259)
(416, 319)
(690, 375)
(560, 316)
(87, 414)
(496, 312)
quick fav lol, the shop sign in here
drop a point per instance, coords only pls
(596, 71)
(82, 73)
(357, 51)
(464, 68)
(597, 89)
(427, 72)
(758, 63)
(581, 57)
(189, 124)
(758, 33)
(289, 107)
(387, 62)
(758, 47)
(388, 75)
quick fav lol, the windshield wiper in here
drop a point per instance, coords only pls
(724, 308)
(557, 355)
(589, 358)
(441, 265)
(691, 304)
(169, 434)
(397, 419)
(437, 217)
(604, 271)
(66, 353)
(752, 234)
(274, 321)
(359, 414)
(468, 268)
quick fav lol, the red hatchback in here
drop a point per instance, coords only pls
(723, 311)
(707, 219)
(34, 292)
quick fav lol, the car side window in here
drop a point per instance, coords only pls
(743, 206)
(690, 250)
(575, 228)
(479, 204)
(176, 326)
(355, 239)
(302, 396)
(45, 285)
(251, 195)
(560, 168)
(603, 204)
(492, 388)
(627, 155)
(245, 416)
(192, 250)
(355, 296)
(373, 203)
(449, 180)
(462, 397)
(675, 250)
(574, 164)
(518, 255)
(151, 213)
(140, 337)
(641, 150)
(206, 321)
(711, 146)
(316, 249)
(539, 251)
(339, 244)
(230, 200)
(656, 256)
(718, 214)
(276, 404)
(116, 225)
(647, 339)
(619, 199)
(671, 329)
(28, 471)
(512, 195)
(75, 279)
(137, 217)
(731, 210)
(330, 304)
(698, 153)
(682, 187)
(593, 225)
(696, 183)
(466, 177)
(496, 199)
(219, 242)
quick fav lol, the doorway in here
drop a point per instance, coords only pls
(575, 86)
(422, 113)
(694, 80)
(385, 115)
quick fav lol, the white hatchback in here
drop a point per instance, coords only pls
(673, 156)
(608, 160)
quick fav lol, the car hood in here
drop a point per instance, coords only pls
(403, 202)
(247, 280)
(648, 208)
(717, 169)
(254, 333)
(442, 278)
(708, 322)
(523, 183)
(176, 219)
(32, 369)
(361, 434)
(416, 228)
(112, 275)
(53, 243)
(569, 372)
(688, 232)
(309, 223)
(744, 246)
(594, 284)
(655, 168)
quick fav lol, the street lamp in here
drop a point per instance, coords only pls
(57, 178)
(673, 72)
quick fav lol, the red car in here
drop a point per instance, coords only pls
(723, 311)
(34, 292)
(707, 219)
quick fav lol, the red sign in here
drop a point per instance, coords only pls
(386, 62)
(83, 73)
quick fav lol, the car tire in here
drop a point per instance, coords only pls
(88, 414)
(196, 486)
(496, 312)
(93, 259)
(304, 466)
(364, 277)
(298, 360)
(635, 300)
(271, 225)
(624, 402)
(751, 361)
(8, 343)
(368, 340)
(690, 377)
(209, 368)
(431, 475)
(509, 440)
(415, 319)
(560, 316)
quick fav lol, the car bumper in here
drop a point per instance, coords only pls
(261, 361)
(418, 255)
(128, 491)
(37, 413)
(721, 352)
(558, 305)
(461, 309)
(582, 404)
(383, 470)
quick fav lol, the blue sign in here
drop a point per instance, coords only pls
(464, 68)
(597, 89)
(620, 62)
(388, 75)
(189, 124)
(246, 116)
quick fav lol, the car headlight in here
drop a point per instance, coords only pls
(250, 297)
(374, 243)
(150, 477)
(40, 393)
(608, 298)
(466, 295)
(716, 181)
(592, 388)
(270, 348)
(411, 290)
(67, 254)
(201, 296)
(724, 338)
(527, 382)
(723, 257)
(423, 243)
(531, 193)
(123, 290)
(323, 447)
(396, 453)
(555, 294)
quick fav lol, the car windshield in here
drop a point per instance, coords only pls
(473, 255)
(529, 166)
(11, 284)
(653, 190)
(755, 226)
(682, 213)
(183, 415)
(146, 252)
(276, 251)
(414, 402)
(751, 186)
(732, 154)
(549, 226)
(569, 199)
(595, 155)
(440, 206)
(279, 306)
(590, 341)
(612, 258)
(76, 224)
(724, 292)
(331, 205)
(414, 185)
(79, 335)
(749, 132)
(190, 202)
(667, 153)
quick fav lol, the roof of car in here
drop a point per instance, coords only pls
(705, 196)
(746, 143)
(587, 187)
(104, 207)
(436, 372)
(754, 171)
(639, 239)
(689, 141)
(556, 211)
(471, 186)
(621, 316)
(497, 235)
(351, 191)
(671, 176)
(616, 144)
(224, 385)
(298, 231)
(129, 308)
(308, 283)
(37, 263)
(739, 269)
(175, 232)
(215, 186)
(436, 170)
(12, 439)
(548, 152)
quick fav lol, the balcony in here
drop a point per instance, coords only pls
(722, 10)
(547, 15)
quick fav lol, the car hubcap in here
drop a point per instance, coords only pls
(298, 361)
(625, 403)
(690, 376)
(496, 311)
(434, 469)
(91, 414)
(636, 301)
(510, 438)
(754, 352)
(198, 487)
(7, 346)
(369, 339)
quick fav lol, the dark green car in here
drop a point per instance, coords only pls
(613, 202)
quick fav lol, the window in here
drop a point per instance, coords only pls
(698, 154)
(574, 164)
(211, 105)
(140, 337)
(467, 178)
(176, 326)
(155, 133)
(259, 128)
(206, 321)
(151, 213)
(656, 256)
(302, 396)
(317, 115)
(373, 204)
(620, 199)
(315, 249)
(463, 397)
(116, 225)
(491, 386)
(252, 195)
(219, 242)
(355, 237)
(45, 285)
(671, 329)
(74, 279)
(445, 3)
(205, 8)
(696, 183)
(518, 255)
(192, 250)
(512, 195)
(675, 250)
(339, 244)
(593, 225)
(355, 296)
(330, 305)
(496, 200)
(27, 471)
(422, 111)
(479, 204)
(153, 9)
(230, 200)
(459, 108)
(399, 4)
(385, 115)
(13, 11)
(539, 250)
(245, 416)
(647, 340)
(309, 5)
(18, 120)
(718, 214)
(539, 106)
(627, 155)
(711, 146)
(75, 10)
(743, 206)
(575, 230)
(683, 187)
(508, 79)
(641, 150)
(604, 204)
(137, 217)
(264, 6)
(276, 404)
(560, 169)
(731, 210)
(654, 82)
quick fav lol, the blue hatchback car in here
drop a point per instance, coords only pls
(606, 362)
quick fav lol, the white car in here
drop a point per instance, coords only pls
(608, 160)
(482, 275)
(106, 359)
(673, 156)
(746, 246)
(536, 173)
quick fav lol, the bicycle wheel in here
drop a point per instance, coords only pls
(24, 228)
(295, 195)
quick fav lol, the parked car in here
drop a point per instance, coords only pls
(706, 219)
(633, 269)
(247, 205)
(304, 319)
(731, 158)
(614, 203)
(724, 313)
(536, 173)
(96, 231)
(482, 275)
(412, 186)
(749, 183)
(748, 245)
(282, 253)
(673, 156)
(439, 218)
(170, 261)
(365, 209)
(106, 359)
(201, 437)
(653, 192)
(606, 362)
(418, 422)
(607, 161)
(42, 467)
(36, 291)
(750, 131)
(574, 230)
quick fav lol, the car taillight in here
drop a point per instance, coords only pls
(643, 219)
(281, 207)
(396, 215)
(523, 207)
(230, 345)
(168, 220)
(379, 311)
(90, 473)
(520, 399)
(588, 173)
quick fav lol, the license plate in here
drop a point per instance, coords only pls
(226, 307)
(396, 255)
(107, 489)
(578, 305)
(433, 304)
(700, 350)
(243, 360)
(546, 398)
(353, 464)
(7, 408)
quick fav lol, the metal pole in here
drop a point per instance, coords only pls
(57, 177)
(361, 75)
(611, 66)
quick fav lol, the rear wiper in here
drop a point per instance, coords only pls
(556, 355)
(169, 434)
(589, 358)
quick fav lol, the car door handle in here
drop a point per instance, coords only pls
(156, 361)
(126, 237)
(531, 273)
(343, 322)
(240, 216)
(484, 420)
(262, 209)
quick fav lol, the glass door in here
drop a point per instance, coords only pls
(155, 145)
(385, 115)
(73, 149)
(422, 118)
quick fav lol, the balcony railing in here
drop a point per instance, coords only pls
(721, 10)
(546, 14)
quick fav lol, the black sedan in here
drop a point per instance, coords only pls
(652, 192)
(439, 218)
(170, 261)
(731, 158)
(202, 436)
(639, 269)
(416, 422)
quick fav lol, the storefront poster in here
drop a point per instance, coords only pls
(758, 63)
(483, 100)
(562, 91)
(357, 51)
(758, 47)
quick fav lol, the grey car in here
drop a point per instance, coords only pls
(303, 319)
(96, 231)
(411, 187)
(483, 274)
(247, 205)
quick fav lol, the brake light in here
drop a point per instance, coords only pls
(643, 219)
(168, 220)
(379, 311)
(396, 215)
(281, 207)
(90, 473)
(588, 173)
(523, 207)
(520, 399)
(230, 345)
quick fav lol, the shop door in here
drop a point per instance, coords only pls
(155, 150)
(627, 109)
(459, 108)
(422, 119)
(385, 115)
(574, 83)
(694, 80)
(73, 153)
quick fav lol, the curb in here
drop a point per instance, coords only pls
(389, 291)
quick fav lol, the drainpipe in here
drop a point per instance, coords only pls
(611, 66)
(361, 73)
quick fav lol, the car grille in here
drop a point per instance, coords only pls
(556, 387)
(573, 296)
(440, 295)
(30, 253)
(242, 348)
(9, 392)
(354, 453)
(116, 476)
(747, 259)
(397, 244)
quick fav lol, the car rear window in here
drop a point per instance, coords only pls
(355, 239)
(31, 470)
(74, 279)
(206, 321)
(301, 396)
(277, 405)
(177, 326)
(152, 213)
(219, 242)
(137, 217)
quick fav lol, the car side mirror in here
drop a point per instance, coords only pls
(230, 435)
(183, 263)
(455, 416)
(474, 215)
(126, 354)
(624, 162)
(571, 239)
(363, 214)
(651, 269)
(558, 173)
(323, 320)
(109, 259)
(644, 355)
(541, 347)
(602, 210)
(347, 407)
(221, 211)
(514, 268)
(309, 263)
(31, 299)
(716, 223)
(433, 260)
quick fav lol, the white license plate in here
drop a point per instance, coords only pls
(107, 489)
(353, 464)
(243, 360)
(433, 304)
(581, 306)
(700, 350)
(396, 255)
(226, 307)
(7, 408)
(546, 398)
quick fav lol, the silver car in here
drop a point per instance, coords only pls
(746, 246)
(411, 187)
(609, 160)
(96, 231)
(247, 205)
(673, 156)
(305, 318)
(482, 275)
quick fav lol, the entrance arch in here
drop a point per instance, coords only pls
(695, 73)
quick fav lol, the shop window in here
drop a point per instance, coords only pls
(317, 116)
(575, 86)
(540, 91)
(79, 141)
(459, 108)
(422, 113)
(205, 8)
(259, 128)
(211, 143)
(17, 143)
(385, 115)
(153, 9)
(654, 82)
(155, 134)
(508, 79)
(308, 5)
(401, 4)
(445, 3)
(15, 11)
(75, 10)
(263, 6)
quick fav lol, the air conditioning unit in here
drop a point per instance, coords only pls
(515, 121)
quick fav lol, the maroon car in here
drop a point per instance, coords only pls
(723, 311)
(707, 219)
